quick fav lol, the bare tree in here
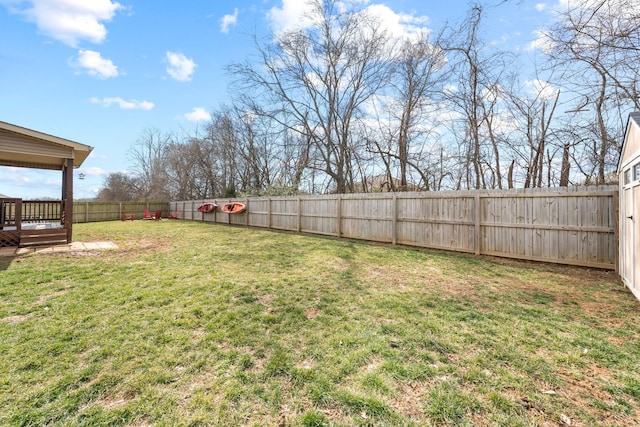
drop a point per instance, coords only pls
(339, 104)
(597, 44)
(418, 66)
(404, 135)
(534, 116)
(215, 157)
(119, 186)
(315, 80)
(185, 179)
(475, 76)
(148, 156)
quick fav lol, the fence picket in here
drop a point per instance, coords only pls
(570, 226)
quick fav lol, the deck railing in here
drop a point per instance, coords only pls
(10, 212)
(14, 212)
(42, 210)
(31, 222)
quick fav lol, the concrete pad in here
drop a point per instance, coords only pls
(24, 251)
(78, 247)
(92, 246)
(7, 251)
(71, 247)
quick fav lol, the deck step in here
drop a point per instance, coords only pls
(43, 237)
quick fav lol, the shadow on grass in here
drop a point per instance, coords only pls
(5, 261)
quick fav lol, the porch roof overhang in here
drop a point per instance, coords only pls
(22, 147)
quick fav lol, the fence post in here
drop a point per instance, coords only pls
(476, 237)
(339, 217)
(394, 220)
(246, 213)
(481, 232)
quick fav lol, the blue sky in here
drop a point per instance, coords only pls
(101, 72)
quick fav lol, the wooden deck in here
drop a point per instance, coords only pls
(9, 238)
(31, 223)
(23, 238)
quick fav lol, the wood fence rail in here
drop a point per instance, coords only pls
(574, 226)
(112, 211)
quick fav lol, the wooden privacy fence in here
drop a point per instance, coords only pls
(111, 211)
(575, 226)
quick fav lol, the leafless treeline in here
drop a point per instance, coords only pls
(342, 105)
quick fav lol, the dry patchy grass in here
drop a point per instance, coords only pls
(198, 324)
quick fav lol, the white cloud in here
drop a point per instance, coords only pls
(297, 14)
(124, 105)
(228, 20)
(450, 89)
(294, 14)
(15, 175)
(95, 64)
(180, 67)
(197, 114)
(399, 25)
(92, 171)
(30, 183)
(96, 155)
(560, 9)
(69, 21)
(540, 41)
(541, 89)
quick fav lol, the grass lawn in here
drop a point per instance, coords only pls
(200, 324)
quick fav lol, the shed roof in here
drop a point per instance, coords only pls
(24, 147)
(633, 121)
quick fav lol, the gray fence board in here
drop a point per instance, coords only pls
(571, 226)
(112, 211)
